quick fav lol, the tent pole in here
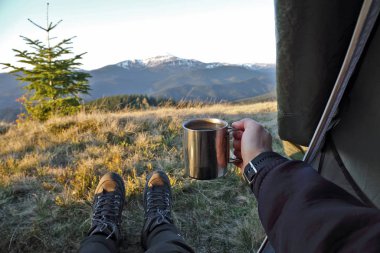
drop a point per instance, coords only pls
(363, 28)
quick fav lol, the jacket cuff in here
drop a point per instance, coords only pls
(265, 162)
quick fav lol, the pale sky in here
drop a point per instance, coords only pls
(110, 31)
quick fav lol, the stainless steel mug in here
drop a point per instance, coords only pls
(206, 147)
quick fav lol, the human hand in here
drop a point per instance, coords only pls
(250, 140)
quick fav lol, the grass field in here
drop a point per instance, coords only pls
(48, 172)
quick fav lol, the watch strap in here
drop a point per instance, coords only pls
(265, 159)
(250, 172)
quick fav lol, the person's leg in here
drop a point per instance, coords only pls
(159, 233)
(98, 244)
(165, 238)
(104, 235)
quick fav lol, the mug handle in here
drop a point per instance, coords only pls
(232, 159)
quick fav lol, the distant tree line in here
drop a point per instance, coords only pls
(140, 102)
(122, 102)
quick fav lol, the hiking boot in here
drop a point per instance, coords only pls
(157, 203)
(107, 207)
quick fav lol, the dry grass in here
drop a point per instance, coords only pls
(48, 173)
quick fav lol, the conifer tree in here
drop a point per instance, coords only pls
(53, 81)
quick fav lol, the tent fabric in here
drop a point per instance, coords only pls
(312, 40)
(331, 166)
(357, 136)
(310, 55)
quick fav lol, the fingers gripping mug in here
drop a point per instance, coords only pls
(206, 146)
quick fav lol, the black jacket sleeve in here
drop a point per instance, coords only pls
(303, 212)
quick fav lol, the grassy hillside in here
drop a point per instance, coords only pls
(48, 173)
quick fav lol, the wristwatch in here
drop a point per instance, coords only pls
(265, 159)
(250, 172)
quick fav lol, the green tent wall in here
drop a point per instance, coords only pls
(312, 40)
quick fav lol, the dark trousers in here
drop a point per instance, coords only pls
(163, 239)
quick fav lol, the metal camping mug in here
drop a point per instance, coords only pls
(206, 145)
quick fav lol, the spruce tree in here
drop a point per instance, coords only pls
(53, 81)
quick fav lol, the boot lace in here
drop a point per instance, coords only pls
(158, 205)
(106, 213)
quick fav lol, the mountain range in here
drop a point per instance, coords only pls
(163, 76)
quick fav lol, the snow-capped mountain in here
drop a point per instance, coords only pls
(169, 60)
(173, 61)
(160, 61)
(258, 66)
(171, 76)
